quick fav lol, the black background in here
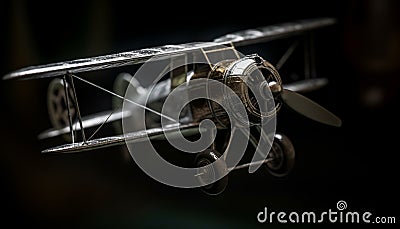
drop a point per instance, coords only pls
(360, 56)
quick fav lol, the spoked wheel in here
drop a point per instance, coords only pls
(283, 156)
(208, 173)
(61, 108)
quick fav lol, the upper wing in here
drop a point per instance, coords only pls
(153, 134)
(241, 38)
(273, 32)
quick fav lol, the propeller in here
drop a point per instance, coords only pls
(306, 85)
(304, 105)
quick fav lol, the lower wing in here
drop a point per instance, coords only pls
(138, 136)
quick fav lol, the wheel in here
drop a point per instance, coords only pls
(283, 155)
(209, 173)
(61, 109)
(120, 86)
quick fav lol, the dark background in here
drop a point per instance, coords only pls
(360, 56)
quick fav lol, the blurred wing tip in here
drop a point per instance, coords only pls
(338, 122)
(8, 76)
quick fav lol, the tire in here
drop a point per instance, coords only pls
(205, 158)
(282, 151)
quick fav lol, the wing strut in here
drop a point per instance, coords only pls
(286, 55)
(68, 108)
(78, 112)
(309, 57)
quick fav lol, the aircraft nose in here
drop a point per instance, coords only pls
(266, 88)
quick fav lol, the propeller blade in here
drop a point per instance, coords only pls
(306, 85)
(309, 108)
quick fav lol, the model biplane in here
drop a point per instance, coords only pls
(223, 63)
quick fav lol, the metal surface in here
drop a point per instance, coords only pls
(153, 134)
(246, 37)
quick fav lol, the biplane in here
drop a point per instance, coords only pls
(160, 103)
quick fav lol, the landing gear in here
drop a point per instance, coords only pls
(282, 156)
(208, 173)
(279, 163)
